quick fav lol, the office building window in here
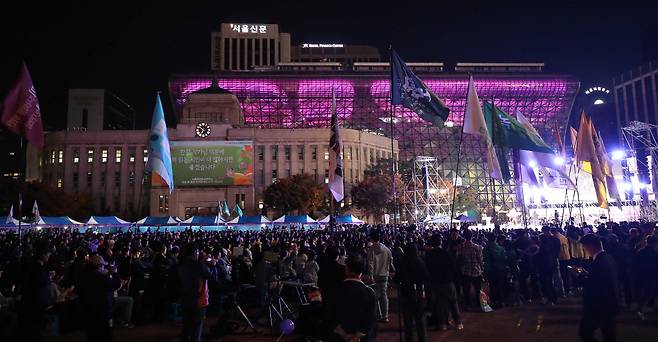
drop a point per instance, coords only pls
(648, 87)
(104, 156)
(90, 155)
(146, 155)
(163, 203)
(242, 54)
(117, 156)
(257, 52)
(326, 175)
(76, 155)
(234, 53)
(314, 152)
(272, 52)
(286, 151)
(300, 152)
(275, 152)
(326, 153)
(52, 157)
(59, 183)
(226, 56)
(639, 100)
(131, 177)
(274, 174)
(75, 181)
(250, 50)
(261, 152)
(89, 180)
(349, 153)
(131, 155)
(239, 200)
(117, 179)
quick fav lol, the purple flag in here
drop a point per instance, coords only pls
(20, 110)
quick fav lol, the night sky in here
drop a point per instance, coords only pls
(131, 49)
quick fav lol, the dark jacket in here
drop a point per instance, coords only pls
(354, 309)
(191, 273)
(441, 266)
(97, 294)
(549, 250)
(600, 292)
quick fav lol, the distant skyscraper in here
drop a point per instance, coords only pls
(97, 110)
(635, 95)
(240, 46)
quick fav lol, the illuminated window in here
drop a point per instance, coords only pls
(163, 203)
(131, 155)
(60, 156)
(104, 155)
(314, 152)
(90, 155)
(89, 179)
(146, 155)
(76, 156)
(326, 153)
(117, 155)
(274, 174)
(131, 177)
(52, 157)
(326, 176)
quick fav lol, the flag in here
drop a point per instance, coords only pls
(159, 156)
(238, 210)
(475, 124)
(10, 217)
(544, 161)
(409, 91)
(495, 128)
(586, 152)
(20, 110)
(528, 175)
(560, 144)
(225, 210)
(610, 181)
(335, 160)
(35, 210)
(513, 134)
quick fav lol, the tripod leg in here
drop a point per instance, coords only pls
(285, 305)
(245, 317)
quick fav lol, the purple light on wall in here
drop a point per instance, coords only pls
(315, 102)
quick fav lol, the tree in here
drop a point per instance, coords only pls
(299, 192)
(375, 193)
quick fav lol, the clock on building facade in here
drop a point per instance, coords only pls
(202, 130)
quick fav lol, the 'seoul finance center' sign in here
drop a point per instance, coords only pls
(212, 163)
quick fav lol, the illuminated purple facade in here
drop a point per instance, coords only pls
(300, 100)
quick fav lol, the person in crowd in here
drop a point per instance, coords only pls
(331, 275)
(35, 299)
(194, 276)
(413, 276)
(547, 264)
(97, 295)
(646, 270)
(622, 256)
(380, 260)
(442, 269)
(353, 312)
(158, 281)
(526, 250)
(563, 261)
(470, 259)
(311, 269)
(600, 293)
(495, 269)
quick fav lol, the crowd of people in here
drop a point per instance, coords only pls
(72, 280)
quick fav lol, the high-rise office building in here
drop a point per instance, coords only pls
(97, 110)
(239, 46)
(635, 95)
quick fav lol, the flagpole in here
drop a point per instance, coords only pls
(459, 153)
(393, 161)
(516, 154)
(492, 181)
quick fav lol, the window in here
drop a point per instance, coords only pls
(326, 176)
(117, 179)
(314, 152)
(117, 155)
(239, 200)
(76, 155)
(357, 153)
(89, 179)
(104, 155)
(261, 152)
(242, 53)
(60, 156)
(52, 157)
(234, 53)
(274, 174)
(90, 155)
(300, 152)
(326, 153)
(163, 203)
(286, 151)
(226, 50)
(349, 153)
(75, 181)
(648, 87)
(131, 177)
(59, 183)
(275, 152)
(146, 155)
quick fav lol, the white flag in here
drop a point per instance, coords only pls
(474, 124)
(35, 210)
(335, 160)
(10, 217)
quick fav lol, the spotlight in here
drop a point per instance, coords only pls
(558, 161)
(449, 124)
(532, 164)
(618, 155)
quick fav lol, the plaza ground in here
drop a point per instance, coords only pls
(530, 322)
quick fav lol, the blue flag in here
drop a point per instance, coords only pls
(409, 91)
(238, 210)
(225, 208)
(159, 154)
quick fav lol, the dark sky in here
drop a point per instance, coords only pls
(132, 48)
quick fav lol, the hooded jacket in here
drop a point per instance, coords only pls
(380, 259)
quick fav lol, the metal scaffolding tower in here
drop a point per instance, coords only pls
(428, 192)
(642, 145)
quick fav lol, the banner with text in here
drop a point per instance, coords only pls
(212, 163)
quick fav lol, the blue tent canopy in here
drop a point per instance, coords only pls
(343, 219)
(6, 222)
(250, 220)
(159, 221)
(204, 221)
(57, 221)
(107, 221)
(303, 219)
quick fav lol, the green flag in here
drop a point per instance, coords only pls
(238, 210)
(225, 210)
(512, 134)
(497, 132)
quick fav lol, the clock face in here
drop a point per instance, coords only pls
(202, 130)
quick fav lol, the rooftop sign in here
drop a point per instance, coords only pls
(248, 28)
(308, 45)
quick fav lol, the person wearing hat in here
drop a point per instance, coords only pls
(600, 295)
(97, 296)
